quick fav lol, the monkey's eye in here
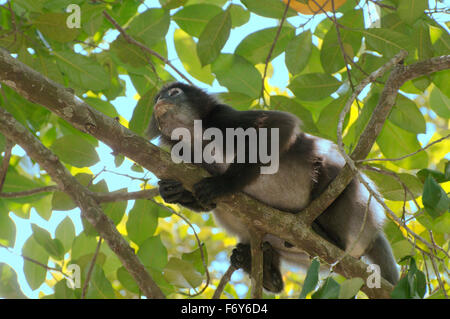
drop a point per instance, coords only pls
(175, 91)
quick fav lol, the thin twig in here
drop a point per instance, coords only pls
(223, 282)
(5, 163)
(405, 156)
(353, 244)
(200, 246)
(29, 192)
(91, 267)
(131, 40)
(382, 5)
(34, 261)
(119, 196)
(269, 55)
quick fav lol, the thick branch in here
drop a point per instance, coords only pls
(91, 210)
(62, 102)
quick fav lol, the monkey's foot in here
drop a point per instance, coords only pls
(209, 189)
(272, 279)
(171, 190)
(241, 257)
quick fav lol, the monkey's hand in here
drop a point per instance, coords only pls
(208, 189)
(173, 192)
(241, 257)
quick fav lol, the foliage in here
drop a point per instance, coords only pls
(94, 62)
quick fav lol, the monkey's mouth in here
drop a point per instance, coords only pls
(161, 108)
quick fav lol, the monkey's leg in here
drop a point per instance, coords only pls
(272, 280)
(173, 192)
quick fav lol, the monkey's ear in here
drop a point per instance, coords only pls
(152, 129)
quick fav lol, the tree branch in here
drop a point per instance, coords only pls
(91, 210)
(289, 227)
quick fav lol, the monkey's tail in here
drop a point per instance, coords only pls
(381, 254)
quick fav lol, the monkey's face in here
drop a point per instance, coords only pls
(174, 109)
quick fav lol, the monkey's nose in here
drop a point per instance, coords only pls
(161, 107)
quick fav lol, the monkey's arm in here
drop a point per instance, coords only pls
(239, 175)
(173, 192)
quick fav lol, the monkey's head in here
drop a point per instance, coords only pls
(178, 105)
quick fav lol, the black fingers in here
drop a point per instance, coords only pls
(171, 190)
(208, 189)
(241, 257)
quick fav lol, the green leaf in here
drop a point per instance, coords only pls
(329, 290)
(65, 232)
(35, 274)
(99, 286)
(115, 210)
(239, 101)
(314, 86)
(401, 290)
(9, 286)
(15, 182)
(311, 279)
(142, 113)
(172, 4)
(127, 280)
(439, 224)
(434, 198)
(385, 41)
(298, 52)
(142, 221)
(331, 54)
(268, 8)
(54, 26)
(329, 117)
(422, 41)
(84, 72)
(92, 17)
(7, 227)
(83, 245)
(153, 254)
(194, 18)
(406, 115)
(391, 189)
(62, 201)
(410, 11)
(395, 142)
(43, 207)
(63, 292)
(256, 46)
(75, 151)
(437, 176)
(185, 47)
(440, 39)
(237, 75)
(182, 273)
(103, 106)
(350, 288)
(439, 103)
(213, 38)
(195, 258)
(150, 26)
(402, 249)
(43, 238)
(239, 16)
